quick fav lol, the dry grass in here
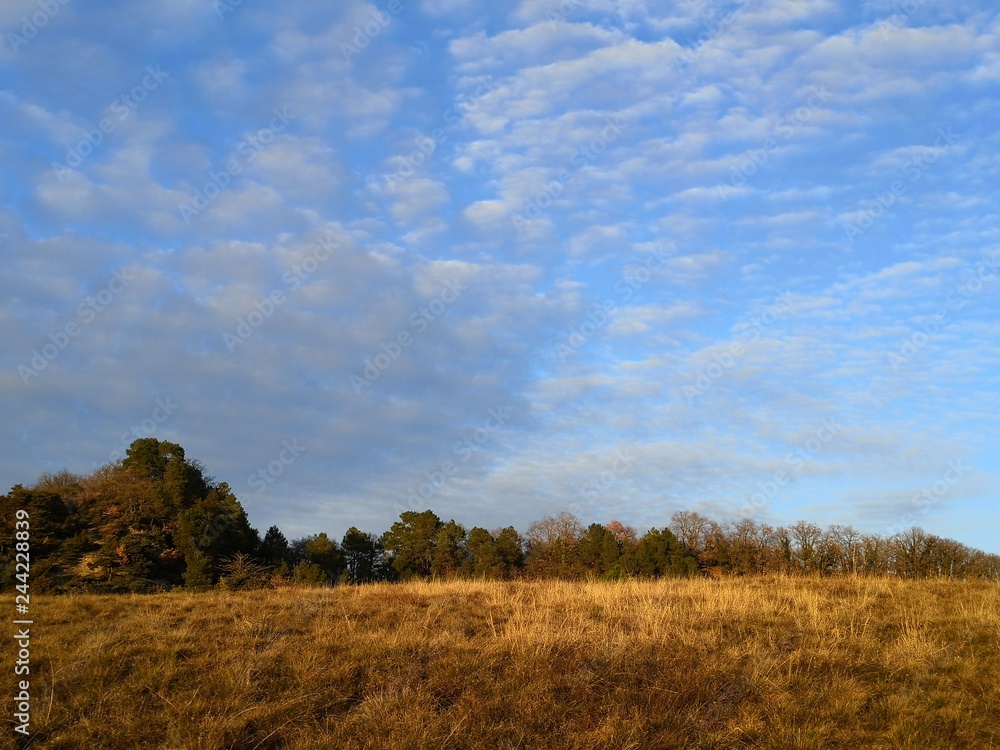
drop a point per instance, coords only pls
(780, 663)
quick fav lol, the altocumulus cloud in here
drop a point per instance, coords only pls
(668, 245)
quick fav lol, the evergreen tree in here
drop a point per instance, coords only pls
(323, 552)
(449, 551)
(198, 574)
(410, 543)
(274, 548)
(510, 548)
(362, 556)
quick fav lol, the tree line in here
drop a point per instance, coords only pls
(155, 521)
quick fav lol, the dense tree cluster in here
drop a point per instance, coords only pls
(155, 521)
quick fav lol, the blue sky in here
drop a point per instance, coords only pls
(616, 258)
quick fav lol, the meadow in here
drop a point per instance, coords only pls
(770, 662)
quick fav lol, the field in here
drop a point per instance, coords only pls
(771, 662)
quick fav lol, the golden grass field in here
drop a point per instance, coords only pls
(767, 662)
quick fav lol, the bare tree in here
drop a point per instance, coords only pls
(848, 547)
(692, 529)
(806, 538)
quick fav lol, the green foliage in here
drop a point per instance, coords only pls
(155, 521)
(449, 551)
(216, 526)
(362, 556)
(274, 548)
(133, 526)
(323, 552)
(660, 553)
(198, 574)
(410, 543)
(309, 574)
(242, 573)
(510, 548)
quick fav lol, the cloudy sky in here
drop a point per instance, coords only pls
(615, 257)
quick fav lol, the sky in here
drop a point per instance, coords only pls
(614, 258)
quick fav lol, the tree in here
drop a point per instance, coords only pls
(661, 553)
(596, 543)
(274, 548)
(242, 573)
(216, 526)
(746, 548)
(510, 548)
(179, 482)
(806, 538)
(692, 529)
(410, 543)
(449, 551)
(362, 556)
(484, 558)
(309, 574)
(322, 552)
(847, 543)
(553, 544)
(198, 574)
